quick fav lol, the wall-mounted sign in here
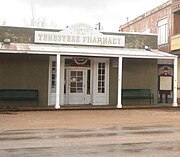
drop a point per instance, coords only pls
(165, 77)
(165, 81)
(79, 34)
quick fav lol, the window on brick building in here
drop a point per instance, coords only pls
(163, 32)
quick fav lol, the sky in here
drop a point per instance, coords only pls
(62, 13)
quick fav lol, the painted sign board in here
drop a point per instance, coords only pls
(79, 34)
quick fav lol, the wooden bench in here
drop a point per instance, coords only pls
(19, 94)
(137, 94)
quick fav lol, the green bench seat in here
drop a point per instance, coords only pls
(137, 94)
(19, 94)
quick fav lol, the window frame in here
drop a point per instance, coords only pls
(163, 31)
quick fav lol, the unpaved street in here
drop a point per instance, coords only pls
(83, 119)
(87, 133)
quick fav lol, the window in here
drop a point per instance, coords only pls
(88, 81)
(53, 77)
(65, 81)
(76, 81)
(163, 31)
(101, 77)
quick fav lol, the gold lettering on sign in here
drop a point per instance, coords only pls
(55, 37)
(64, 38)
(79, 39)
(119, 41)
(85, 39)
(50, 38)
(104, 40)
(40, 36)
(99, 40)
(109, 41)
(68, 38)
(59, 38)
(114, 41)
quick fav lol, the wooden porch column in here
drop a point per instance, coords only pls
(175, 82)
(58, 63)
(119, 101)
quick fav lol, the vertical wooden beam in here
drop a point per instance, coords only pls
(58, 73)
(175, 82)
(119, 104)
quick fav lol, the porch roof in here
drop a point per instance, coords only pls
(84, 51)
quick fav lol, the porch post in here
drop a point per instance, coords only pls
(175, 82)
(119, 104)
(58, 63)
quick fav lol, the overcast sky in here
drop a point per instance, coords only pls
(111, 13)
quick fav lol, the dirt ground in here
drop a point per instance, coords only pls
(73, 119)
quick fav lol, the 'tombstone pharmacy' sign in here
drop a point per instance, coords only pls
(79, 34)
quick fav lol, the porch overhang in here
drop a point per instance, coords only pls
(85, 51)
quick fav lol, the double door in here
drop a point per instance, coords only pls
(80, 85)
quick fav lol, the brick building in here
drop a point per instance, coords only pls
(163, 20)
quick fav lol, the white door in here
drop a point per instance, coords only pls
(76, 86)
(101, 81)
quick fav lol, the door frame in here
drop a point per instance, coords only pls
(94, 97)
(87, 97)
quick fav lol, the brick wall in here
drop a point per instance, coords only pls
(148, 22)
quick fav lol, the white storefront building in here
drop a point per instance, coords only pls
(80, 62)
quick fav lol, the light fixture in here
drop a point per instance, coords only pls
(6, 41)
(147, 47)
